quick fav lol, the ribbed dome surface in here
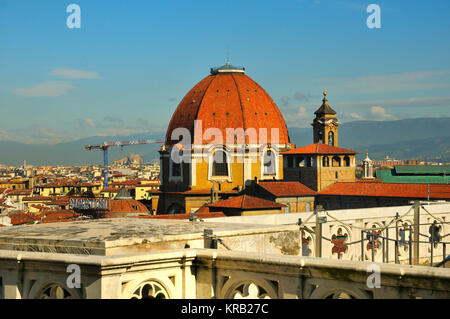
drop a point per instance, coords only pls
(228, 100)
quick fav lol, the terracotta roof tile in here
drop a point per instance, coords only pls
(125, 206)
(20, 192)
(287, 188)
(36, 198)
(437, 191)
(246, 202)
(227, 100)
(320, 148)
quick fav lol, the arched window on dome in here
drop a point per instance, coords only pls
(269, 162)
(331, 138)
(220, 164)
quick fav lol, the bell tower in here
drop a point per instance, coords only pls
(325, 124)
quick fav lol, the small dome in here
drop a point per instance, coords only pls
(367, 159)
(228, 98)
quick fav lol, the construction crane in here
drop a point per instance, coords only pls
(104, 147)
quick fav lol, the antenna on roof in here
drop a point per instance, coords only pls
(228, 55)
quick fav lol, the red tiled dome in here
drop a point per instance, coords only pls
(228, 98)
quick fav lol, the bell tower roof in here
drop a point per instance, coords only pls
(325, 108)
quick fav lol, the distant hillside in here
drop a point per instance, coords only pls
(73, 153)
(429, 149)
(361, 133)
(426, 138)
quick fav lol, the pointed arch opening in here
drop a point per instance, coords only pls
(330, 138)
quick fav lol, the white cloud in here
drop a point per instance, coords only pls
(47, 132)
(89, 122)
(303, 97)
(48, 89)
(379, 113)
(285, 100)
(4, 135)
(302, 117)
(75, 74)
(347, 117)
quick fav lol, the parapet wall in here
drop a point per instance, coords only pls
(206, 273)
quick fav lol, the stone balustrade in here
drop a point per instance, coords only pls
(210, 273)
(342, 231)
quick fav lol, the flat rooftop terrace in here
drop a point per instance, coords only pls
(128, 235)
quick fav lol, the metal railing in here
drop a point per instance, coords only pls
(373, 238)
(378, 238)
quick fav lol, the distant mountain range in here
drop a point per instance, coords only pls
(424, 138)
(73, 153)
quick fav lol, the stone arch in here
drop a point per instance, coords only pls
(55, 290)
(245, 288)
(325, 291)
(150, 288)
(336, 161)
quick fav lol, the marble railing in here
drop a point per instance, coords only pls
(211, 273)
(341, 232)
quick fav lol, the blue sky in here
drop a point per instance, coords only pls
(131, 62)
